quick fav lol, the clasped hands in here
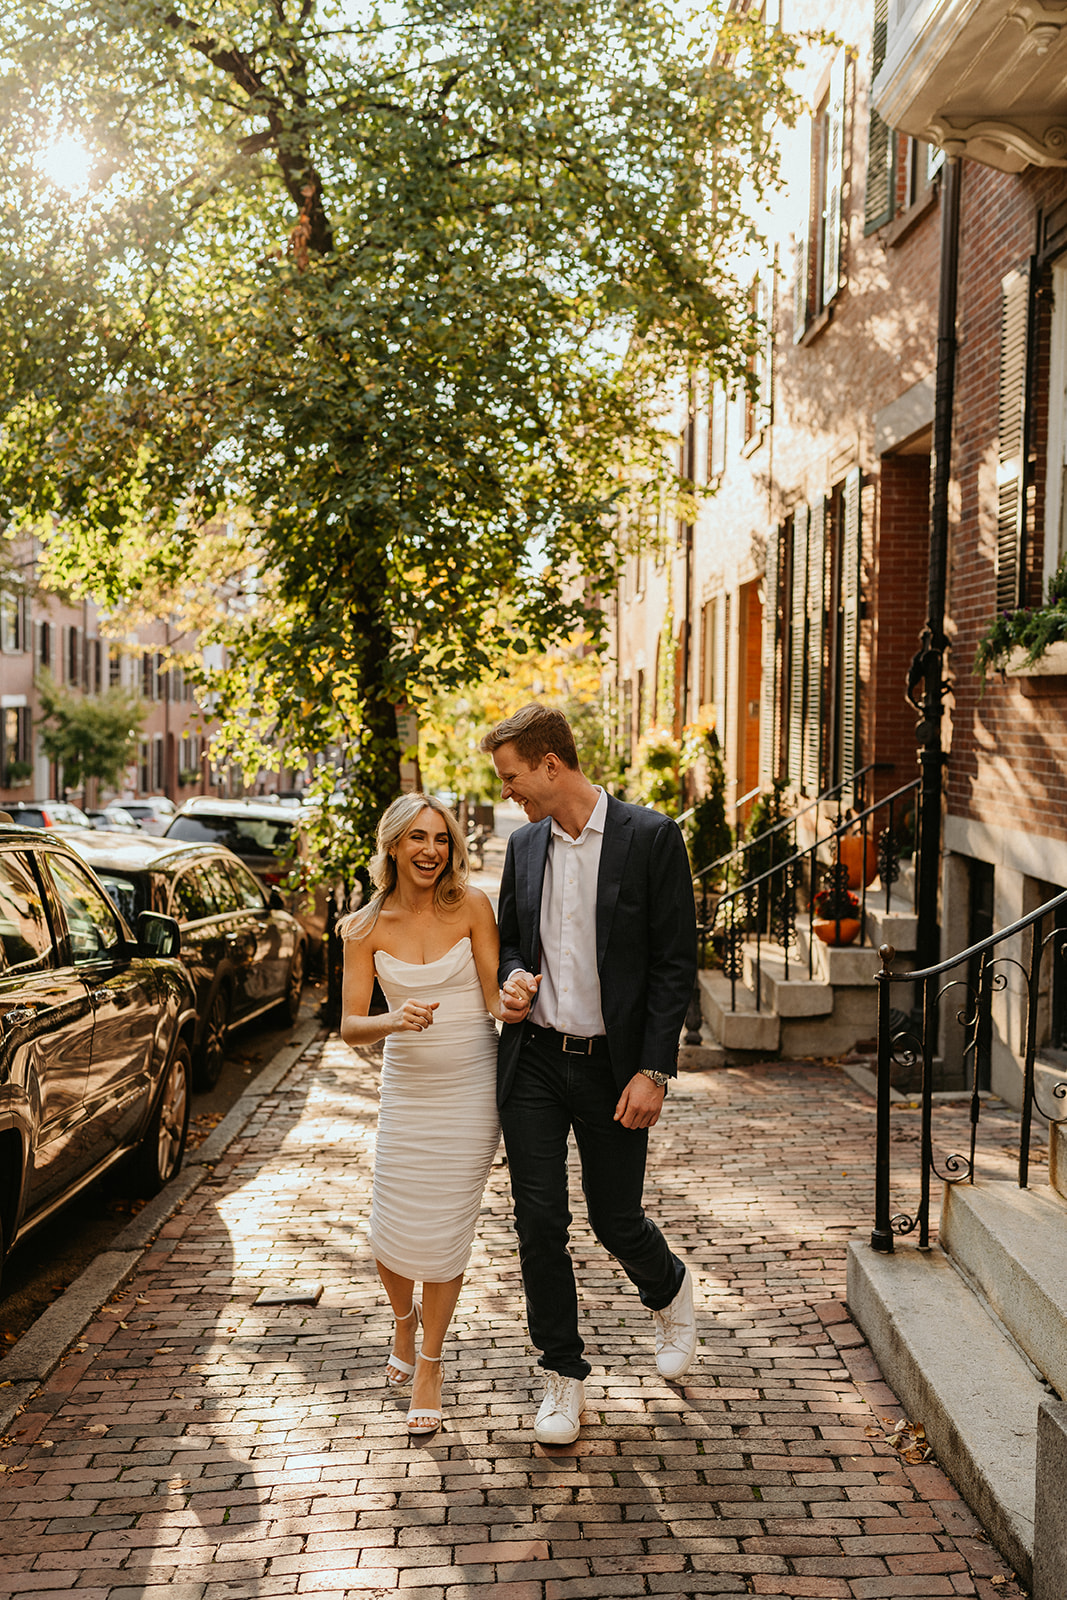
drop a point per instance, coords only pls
(517, 996)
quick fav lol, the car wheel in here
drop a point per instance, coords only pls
(211, 1056)
(160, 1152)
(294, 985)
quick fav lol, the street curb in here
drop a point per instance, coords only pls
(37, 1354)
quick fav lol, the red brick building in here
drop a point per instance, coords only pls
(44, 632)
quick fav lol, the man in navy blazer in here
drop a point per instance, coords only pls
(597, 966)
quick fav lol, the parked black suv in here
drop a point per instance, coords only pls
(243, 951)
(96, 1031)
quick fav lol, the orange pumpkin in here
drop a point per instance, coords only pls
(862, 864)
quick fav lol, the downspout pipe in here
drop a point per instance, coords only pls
(927, 673)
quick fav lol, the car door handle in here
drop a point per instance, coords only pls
(16, 1016)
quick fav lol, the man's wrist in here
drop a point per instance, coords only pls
(660, 1079)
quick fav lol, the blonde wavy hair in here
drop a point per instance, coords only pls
(397, 821)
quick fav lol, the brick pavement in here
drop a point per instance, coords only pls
(195, 1447)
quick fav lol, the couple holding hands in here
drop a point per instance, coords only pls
(590, 973)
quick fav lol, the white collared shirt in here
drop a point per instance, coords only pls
(569, 997)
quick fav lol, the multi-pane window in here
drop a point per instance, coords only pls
(817, 265)
(12, 621)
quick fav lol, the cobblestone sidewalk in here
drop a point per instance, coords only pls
(194, 1446)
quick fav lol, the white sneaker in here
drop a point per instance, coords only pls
(676, 1333)
(559, 1419)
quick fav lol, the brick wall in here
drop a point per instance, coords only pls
(1008, 762)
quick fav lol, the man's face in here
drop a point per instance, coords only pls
(530, 787)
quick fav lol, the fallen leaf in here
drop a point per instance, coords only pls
(96, 1427)
(165, 1350)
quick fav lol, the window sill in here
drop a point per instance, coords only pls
(898, 230)
(817, 326)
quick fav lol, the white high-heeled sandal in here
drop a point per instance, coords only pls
(406, 1369)
(419, 1415)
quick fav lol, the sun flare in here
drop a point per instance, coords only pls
(66, 163)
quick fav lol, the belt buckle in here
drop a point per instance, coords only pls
(584, 1046)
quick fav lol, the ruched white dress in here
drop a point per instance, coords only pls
(437, 1122)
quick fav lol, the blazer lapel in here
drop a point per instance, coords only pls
(618, 837)
(533, 882)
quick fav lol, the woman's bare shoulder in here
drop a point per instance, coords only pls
(479, 905)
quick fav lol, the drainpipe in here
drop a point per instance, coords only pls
(927, 668)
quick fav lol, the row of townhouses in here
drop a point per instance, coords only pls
(41, 632)
(899, 464)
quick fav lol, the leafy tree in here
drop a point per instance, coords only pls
(91, 735)
(394, 290)
(568, 675)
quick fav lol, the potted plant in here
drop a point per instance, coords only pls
(837, 914)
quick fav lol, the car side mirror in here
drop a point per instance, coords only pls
(276, 900)
(158, 935)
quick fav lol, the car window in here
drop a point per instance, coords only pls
(245, 836)
(25, 939)
(193, 897)
(247, 890)
(124, 894)
(29, 816)
(226, 896)
(90, 915)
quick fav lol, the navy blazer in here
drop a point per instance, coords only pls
(646, 945)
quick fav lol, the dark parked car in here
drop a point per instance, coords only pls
(266, 836)
(244, 953)
(96, 1033)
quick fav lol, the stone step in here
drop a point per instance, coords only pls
(954, 1369)
(794, 996)
(848, 966)
(1012, 1243)
(898, 925)
(740, 1027)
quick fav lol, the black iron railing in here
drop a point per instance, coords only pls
(769, 906)
(731, 867)
(913, 1045)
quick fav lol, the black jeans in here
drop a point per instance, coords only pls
(553, 1093)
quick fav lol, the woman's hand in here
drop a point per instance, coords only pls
(414, 1016)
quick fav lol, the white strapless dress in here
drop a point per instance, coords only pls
(438, 1129)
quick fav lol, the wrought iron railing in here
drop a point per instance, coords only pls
(915, 1044)
(732, 865)
(767, 908)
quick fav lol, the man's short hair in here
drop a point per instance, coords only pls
(536, 731)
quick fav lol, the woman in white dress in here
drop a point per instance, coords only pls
(431, 940)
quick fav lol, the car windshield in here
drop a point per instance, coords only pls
(245, 836)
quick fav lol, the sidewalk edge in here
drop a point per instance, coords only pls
(36, 1355)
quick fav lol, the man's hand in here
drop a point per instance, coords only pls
(517, 996)
(640, 1103)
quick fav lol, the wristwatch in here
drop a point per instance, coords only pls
(660, 1079)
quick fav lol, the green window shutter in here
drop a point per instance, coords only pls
(769, 697)
(798, 644)
(1011, 466)
(850, 623)
(881, 140)
(816, 608)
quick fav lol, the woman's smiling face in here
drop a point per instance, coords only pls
(422, 854)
